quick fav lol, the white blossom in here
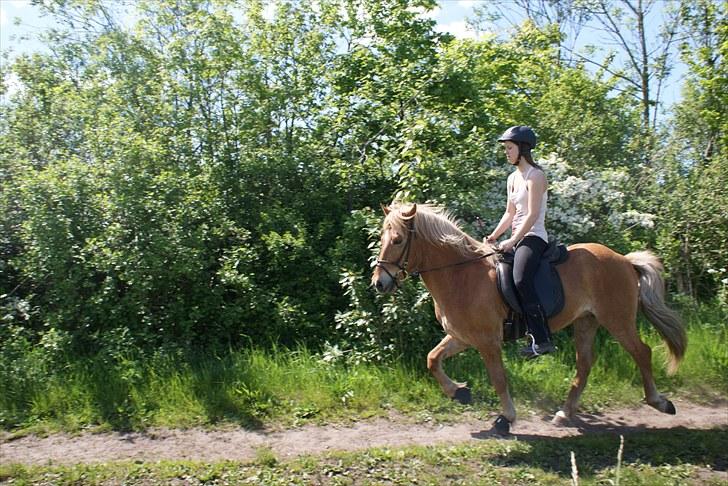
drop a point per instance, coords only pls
(576, 202)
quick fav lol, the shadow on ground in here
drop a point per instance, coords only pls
(598, 448)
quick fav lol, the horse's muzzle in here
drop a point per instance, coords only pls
(383, 282)
(382, 289)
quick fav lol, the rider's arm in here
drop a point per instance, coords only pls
(505, 222)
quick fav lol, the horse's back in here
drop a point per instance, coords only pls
(596, 280)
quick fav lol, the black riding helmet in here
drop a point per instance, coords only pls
(522, 136)
(520, 133)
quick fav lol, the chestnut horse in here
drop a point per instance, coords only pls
(601, 288)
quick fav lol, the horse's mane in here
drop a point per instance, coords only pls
(438, 226)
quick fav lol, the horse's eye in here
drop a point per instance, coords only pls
(396, 239)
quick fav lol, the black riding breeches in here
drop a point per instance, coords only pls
(525, 265)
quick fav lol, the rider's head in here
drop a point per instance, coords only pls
(524, 140)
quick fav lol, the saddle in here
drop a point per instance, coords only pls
(548, 288)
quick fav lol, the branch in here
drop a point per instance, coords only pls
(661, 74)
(616, 31)
(603, 66)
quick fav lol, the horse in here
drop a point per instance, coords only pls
(601, 288)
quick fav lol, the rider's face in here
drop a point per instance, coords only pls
(511, 150)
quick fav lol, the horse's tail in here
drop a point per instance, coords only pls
(652, 299)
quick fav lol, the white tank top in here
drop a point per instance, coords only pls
(519, 199)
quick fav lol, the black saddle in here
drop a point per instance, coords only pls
(548, 287)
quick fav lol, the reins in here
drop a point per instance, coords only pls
(417, 273)
(403, 260)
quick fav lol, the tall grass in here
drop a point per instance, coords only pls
(252, 387)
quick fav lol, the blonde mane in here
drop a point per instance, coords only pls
(438, 226)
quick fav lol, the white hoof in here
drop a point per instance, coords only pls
(561, 419)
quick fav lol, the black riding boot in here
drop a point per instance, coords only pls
(538, 333)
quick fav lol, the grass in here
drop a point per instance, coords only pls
(253, 387)
(650, 458)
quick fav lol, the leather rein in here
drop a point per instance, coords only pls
(403, 260)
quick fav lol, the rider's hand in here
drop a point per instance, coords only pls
(490, 239)
(507, 245)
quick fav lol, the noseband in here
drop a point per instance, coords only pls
(401, 262)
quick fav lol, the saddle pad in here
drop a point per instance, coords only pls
(548, 284)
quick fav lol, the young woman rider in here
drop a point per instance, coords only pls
(525, 213)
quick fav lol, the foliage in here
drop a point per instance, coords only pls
(203, 177)
(48, 388)
(693, 236)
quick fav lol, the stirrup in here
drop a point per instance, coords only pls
(534, 350)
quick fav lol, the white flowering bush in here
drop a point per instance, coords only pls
(721, 277)
(589, 205)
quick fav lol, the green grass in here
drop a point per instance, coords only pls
(650, 458)
(254, 387)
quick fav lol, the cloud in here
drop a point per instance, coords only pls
(269, 11)
(14, 7)
(460, 29)
(16, 4)
(12, 85)
(421, 12)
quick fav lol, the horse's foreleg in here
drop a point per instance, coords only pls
(493, 360)
(585, 330)
(449, 346)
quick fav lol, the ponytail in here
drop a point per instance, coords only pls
(524, 150)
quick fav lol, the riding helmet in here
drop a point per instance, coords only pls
(520, 133)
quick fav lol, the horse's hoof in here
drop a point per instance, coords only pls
(561, 419)
(502, 425)
(670, 408)
(463, 396)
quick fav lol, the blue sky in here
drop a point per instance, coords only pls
(451, 16)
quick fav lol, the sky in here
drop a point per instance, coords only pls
(21, 22)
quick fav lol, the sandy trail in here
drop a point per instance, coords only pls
(240, 445)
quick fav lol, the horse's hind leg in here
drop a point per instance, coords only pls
(449, 346)
(642, 354)
(584, 331)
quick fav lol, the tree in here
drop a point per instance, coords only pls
(624, 24)
(205, 176)
(695, 163)
(567, 16)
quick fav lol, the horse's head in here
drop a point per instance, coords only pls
(398, 233)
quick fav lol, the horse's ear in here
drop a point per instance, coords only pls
(409, 214)
(386, 209)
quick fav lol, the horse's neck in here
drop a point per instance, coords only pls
(450, 276)
(434, 256)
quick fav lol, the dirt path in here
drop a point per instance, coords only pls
(238, 444)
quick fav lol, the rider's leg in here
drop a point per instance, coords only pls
(525, 264)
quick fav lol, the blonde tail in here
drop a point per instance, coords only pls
(652, 300)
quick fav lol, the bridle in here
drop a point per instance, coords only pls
(403, 259)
